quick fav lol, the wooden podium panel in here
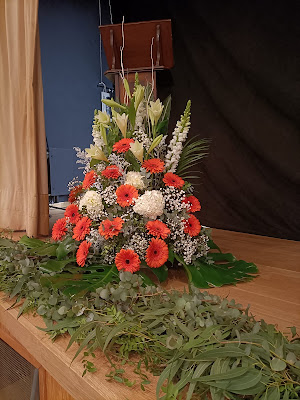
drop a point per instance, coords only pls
(137, 50)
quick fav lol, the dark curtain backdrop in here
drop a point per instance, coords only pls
(238, 61)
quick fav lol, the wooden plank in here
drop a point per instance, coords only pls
(55, 360)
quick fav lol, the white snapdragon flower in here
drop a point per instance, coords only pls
(151, 204)
(92, 200)
(178, 138)
(135, 179)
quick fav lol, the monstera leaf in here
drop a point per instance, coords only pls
(218, 269)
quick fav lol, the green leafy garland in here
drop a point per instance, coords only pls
(200, 345)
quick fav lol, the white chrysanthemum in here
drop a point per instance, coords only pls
(151, 204)
(135, 179)
(92, 200)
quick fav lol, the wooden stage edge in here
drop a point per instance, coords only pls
(274, 296)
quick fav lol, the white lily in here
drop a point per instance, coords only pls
(103, 118)
(96, 153)
(138, 96)
(154, 111)
(137, 150)
(121, 121)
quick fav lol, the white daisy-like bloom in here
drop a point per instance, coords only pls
(92, 200)
(151, 204)
(134, 179)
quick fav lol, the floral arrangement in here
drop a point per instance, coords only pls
(135, 208)
(135, 211)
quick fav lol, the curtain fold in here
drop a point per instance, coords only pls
(23, 158)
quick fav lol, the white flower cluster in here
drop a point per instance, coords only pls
(92, 201)
(73, 183)
(143, 138)
(139, 243)
(82, 158)
(150, 204)
(135, 179)
(160, 149)
(176, 145)
(140, 116)
(109, 195)
(96, 240)
(119, 161)
(174, 199)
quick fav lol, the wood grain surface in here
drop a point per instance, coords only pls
(274, 296)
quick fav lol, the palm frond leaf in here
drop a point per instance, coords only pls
(193, 152)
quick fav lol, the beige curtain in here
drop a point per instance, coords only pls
(23, 160)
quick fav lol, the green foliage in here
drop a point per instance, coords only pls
(201, 346)
(192, 153)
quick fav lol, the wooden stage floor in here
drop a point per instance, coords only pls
(274, 296)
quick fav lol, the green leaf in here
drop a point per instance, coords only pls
(116, 331)
(222, 352)
(161, 273)
(94, 162)
(192, 153)
(6, 243)
(212, 245)
(31, 243)
(222, 257)
(146, 280)
(155, 143)
(233, 373)
(273, 393)
(200, 369)
(48, 249)
(277, 365)
(65, 247)
(126, 87)
(55, 265)
(132, 113)
(171, 255)
(163, 123)
(18, 287)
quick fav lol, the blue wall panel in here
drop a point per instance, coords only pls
(69, 38)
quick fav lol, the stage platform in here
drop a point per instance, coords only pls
(274, 296)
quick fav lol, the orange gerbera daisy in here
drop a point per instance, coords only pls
(72, 213)
(193, 203)
(82, 253)
(108, 228)
(126, 195)
(157, 253)
(127, 260)
(89, 179)
(112, 171)
(192, 226)
(154, 165)
(74, 193)
(122, 145)
(158, 229)
(171, 179)
(59, 229)
(82, 228)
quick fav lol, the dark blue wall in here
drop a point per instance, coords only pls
(69, 38)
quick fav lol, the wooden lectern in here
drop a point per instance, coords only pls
(138, 37)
